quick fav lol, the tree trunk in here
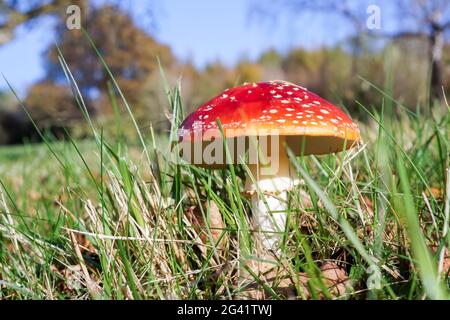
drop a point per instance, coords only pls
(436, 48)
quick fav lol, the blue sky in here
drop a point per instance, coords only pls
(199, 30)
(206, 30)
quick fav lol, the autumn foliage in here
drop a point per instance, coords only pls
(399, 66)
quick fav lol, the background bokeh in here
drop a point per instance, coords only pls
(207, 46)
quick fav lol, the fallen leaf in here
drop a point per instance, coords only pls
(335, 278)
(288, 285)
(216, 225)
(437, 193)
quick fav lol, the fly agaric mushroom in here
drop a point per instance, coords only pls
(281, 112)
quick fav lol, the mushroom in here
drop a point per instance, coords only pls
(269, 115)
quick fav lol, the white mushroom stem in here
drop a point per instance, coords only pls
(269, 199)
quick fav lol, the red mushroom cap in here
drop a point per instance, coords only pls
(290, 110)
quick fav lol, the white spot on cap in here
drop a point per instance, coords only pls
(284, 101)
(277, 96)
(334, 120)
(281, 120)
(232, 98)
(224, 96)
(289, 109)
(324, 111)
(206, 116)
(197, 125)
(319, 117)
(273, 110)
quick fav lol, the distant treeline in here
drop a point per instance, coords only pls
(400, 67)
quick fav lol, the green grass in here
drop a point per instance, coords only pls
(106, 218)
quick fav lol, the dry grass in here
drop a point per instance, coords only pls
(106, 218)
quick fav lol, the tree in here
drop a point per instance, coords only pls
(130, 53)
(128, 50)
(428, 19)
(270, 62)
(52, 105)
(15, 13)
(433, 20)
(208, 83)
(247, 71)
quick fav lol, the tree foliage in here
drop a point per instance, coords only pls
(400, 66)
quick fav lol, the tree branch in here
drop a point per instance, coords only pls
(16, 18)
